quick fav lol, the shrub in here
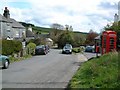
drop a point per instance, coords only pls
(11, 46)
(37, 41)
(31, 48)
(76, 50)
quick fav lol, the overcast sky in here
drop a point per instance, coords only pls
(83, 15)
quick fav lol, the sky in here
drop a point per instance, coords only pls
(82, 15)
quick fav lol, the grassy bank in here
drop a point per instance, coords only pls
(98, 73)
(13, 59)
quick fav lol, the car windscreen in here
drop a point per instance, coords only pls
(66, 47)
(41, 46)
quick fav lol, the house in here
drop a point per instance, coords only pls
(10, 28)
(49, 41)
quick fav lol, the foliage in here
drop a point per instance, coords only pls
(14, 59)
(37, 41)
(115, 27)
(54, 35)
(98, 73)
(57, 26)
(31, 48)
(26, 24)
(76, 50)
(79, 39)
(90, 37)
(64, 38)
(11, 46)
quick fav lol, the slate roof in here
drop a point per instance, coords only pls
(3, 18)
(97, 38)
(29, 34)
(14, 23)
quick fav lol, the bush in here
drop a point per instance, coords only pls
(76, 50)
(31, 48)
(37, 41)
(11, 46)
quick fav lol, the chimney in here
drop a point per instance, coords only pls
(6, 13)
(116, 17)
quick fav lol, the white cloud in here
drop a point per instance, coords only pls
(83, 15)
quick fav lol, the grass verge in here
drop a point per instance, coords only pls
(100, 72)
(13, 59)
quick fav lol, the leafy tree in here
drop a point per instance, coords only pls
(90, 37)
(38, 41)
(57, 26)
(64, 38)
(54, 35)
(115, 27)
(79, 39)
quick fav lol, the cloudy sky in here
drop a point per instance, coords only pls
(83, 15)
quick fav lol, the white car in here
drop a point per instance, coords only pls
(67, 50)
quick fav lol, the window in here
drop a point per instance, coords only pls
(111, 43)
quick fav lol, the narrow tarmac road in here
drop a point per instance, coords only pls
(53, 70)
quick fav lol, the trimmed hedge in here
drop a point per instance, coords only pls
(11, 46)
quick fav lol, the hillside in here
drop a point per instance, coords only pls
(46, 30)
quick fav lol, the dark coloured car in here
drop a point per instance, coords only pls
(67, 50)
(41, 49)
(89, 49)
(4, 61)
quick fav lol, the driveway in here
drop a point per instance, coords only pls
(53, 70)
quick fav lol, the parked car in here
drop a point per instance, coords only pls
(4, 61)
(69, 45)
(41, 49)
(67, 50)
(89, 49)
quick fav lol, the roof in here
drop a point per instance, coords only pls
(109, 31)
(16, 24)
(97, 38)
(48, 39)
(29, 33)
(2, 18)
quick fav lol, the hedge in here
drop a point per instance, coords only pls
(11, 46)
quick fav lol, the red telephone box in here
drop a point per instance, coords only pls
(109, 39)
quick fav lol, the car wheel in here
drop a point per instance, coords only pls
(6, 64)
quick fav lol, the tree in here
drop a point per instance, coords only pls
(64, 38)
(114, 27)
(57, 26)
(54, 34)
(90, 37)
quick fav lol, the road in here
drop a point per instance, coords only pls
(53, 70)
(90, 55)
